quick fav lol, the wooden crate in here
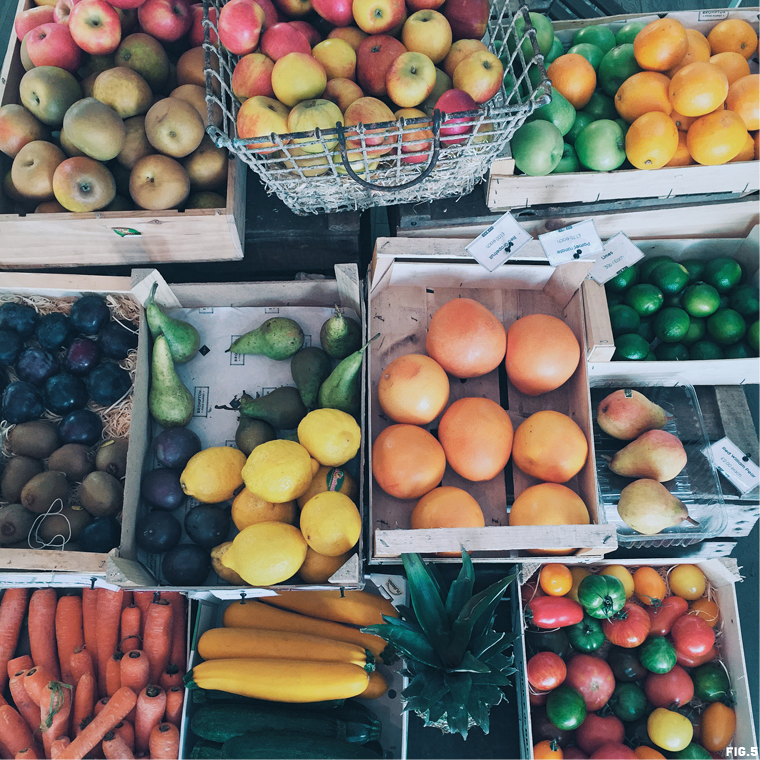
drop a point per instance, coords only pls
(507, 190)
(67, 240)
(409, 281)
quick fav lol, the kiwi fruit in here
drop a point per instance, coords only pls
(101, 494)
(74, 460)
(17, 473)
(225, 573)
(112, 457)
(15, 524)
(68, 523)
(37, 439)
(42, 490)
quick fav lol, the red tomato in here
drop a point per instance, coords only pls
(672, 689)
(575, 753)
(630, 631)
(663, 617)
(596, 731)
(614, 751)
(553, 612)
(537, 698)
(692, 636)
(685, 661)
(546, 671)
(593, 678)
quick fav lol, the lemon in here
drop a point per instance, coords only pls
(248, 509)
(332, 437)
(266, 553)
(317, 568)
(329, 479)
(214, 474)
(224, 572)
(278, 471)
(330, 523)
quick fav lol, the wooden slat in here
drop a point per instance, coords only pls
(52, 561)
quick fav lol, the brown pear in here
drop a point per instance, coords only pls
(626, 414)
(655, 454)
(648, 507)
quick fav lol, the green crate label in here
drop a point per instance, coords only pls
(125, 231)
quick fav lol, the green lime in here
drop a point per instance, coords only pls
(726, 327)
(598, 35)
(646, 299)
(669, 277)
(671, 352)
(544, 34)
(650, 357)
(613, 299)
(695, 267)
(696, 331)
(559, 112)
(601, 106)
(569, 162)
(745, 300)
(623, 280)
(739, 350)
(537, 148)
(700, 300)
(722, 273)
(556, 51)
(725, 301)
(705, 349)
(646, 330)
(623, 124)
(752, 336)
(674, 299)
(630, 347)
(582, 120)
(591, 53)
(616, 66)
(647, 265)
(671, 324)
(624, 320)
(627, 33)
(601, 146)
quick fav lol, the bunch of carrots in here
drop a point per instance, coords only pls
(103, 677)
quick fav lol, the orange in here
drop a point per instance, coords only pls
(247, 509)
(476, 435)
(651, 141)
(447, 507)
(550, 446)
(707, 610)
(661, 45)
(414, 389)
(466, 339)
(643, 92)
(648, 753)
(542, 354)
(698, 89)
(699, 50)
(549, 504)
(734, 65)
(744, 99)
(733, 36)
(681, 157)
(407, 461)
(756, 138)
(747, 153)
(574, 77)
(716, 138)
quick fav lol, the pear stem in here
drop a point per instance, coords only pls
(692, 521)
(152, 296)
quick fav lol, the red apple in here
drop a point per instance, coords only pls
(336, 12)
(342, 92)
(294, 8)
(260, 116)
(422, 5)
(308, 31)
(351, 34)
(63, 10)
(370, 111)
(53, 45)
(196, 30)
(373, 59)
(166, 20)
(252, 76)
(128, 20)
(240, 26)
(479, 75)
(413, 135)
(455, 101)
(378, 16)
(32, 18)
(95, 27)
(468, 18)
(281, 39)
(17, 128)
(271, 16)
(126, 4)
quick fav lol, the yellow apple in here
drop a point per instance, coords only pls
(355, 161)
(315, 114)
(416, 141)
(297, 77)
(378, 16)
(427, 32)
(338, 58)
(342, 92)
(260, 116)
(479, 75)
(458, 52)
(410, 79)
(351, 34)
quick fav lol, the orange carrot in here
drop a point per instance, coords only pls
(109, 618)
(164, 742)
(157, 637)
(90, 625)
(118, 707)
(28, 753)
(41, 624)
(35, 682)
(57, 747)
(130, 628)
(100, 705)
(68, 633)
(12, 611)
(142, 599)
(127, 732)
(55, 710)
(15, 734)
(170, 677)
(113, 674)
(135, 670)
(174, 698)
(178, 654)
(24, 662)
(29, 709)
(115, 748)
(80, 663)
(84, 700)
(151, 705)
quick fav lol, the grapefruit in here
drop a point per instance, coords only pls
(413, 389)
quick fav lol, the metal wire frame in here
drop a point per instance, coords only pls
(344, 168)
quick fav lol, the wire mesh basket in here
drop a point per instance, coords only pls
(357, 167)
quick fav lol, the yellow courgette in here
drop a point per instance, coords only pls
(376, 687)
(354, 607)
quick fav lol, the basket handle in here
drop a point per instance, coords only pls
(384, 188)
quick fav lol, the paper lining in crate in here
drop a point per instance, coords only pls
(222, 312)
(116, 237)
(409, 280)
(722, 575)
(507, 190)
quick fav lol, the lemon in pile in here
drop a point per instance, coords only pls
(214, 474)
(332, 437)
(279, 471)
(330, 523)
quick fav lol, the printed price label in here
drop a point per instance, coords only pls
(619, 253)
(735, 464)
(500, 241)
(577, 241)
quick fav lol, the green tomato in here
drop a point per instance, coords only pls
(657, 655)
(549, 641)
(710, 682)
(586, 636)
(565, 708)
(693, 752)
(628, 702)
(601, 596)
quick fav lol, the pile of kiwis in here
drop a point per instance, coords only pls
(47, 464)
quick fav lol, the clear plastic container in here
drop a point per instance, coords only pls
(697, 485)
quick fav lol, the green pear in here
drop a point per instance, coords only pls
(655, 454)
(340, 336)
(182, 338)
(626, 414)
(170, 402)
(648, 507)
(343, 388)
(310, 367)
(278, 338)
(251, 432)
(282, 408)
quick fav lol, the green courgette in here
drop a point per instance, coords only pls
(210, 697)
(203, 750)
(275, 745)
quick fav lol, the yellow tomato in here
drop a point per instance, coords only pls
(648, 753)
(669, 730)
(578, 573)
(717, 727)
(547, 750)
(707, 610)
(622, 574)
(649, 586)
(555, 580)
(687, 581)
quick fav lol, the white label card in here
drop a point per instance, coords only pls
(735, 464)
(619, 253)
(577, 241)
(500, 241)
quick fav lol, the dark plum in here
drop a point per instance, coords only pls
(81, 357)
(18, 317)
(107, 383)
(3, 379)
(35, 365)
(21, 402)
(116, 341)
(161, 489)
(54, 331)
(11, 345)
(208, 524)
(80, 426)
(101, 535)
(186, 565)
(63, 393)
(89, 314)
(175, 446)
(158, 532)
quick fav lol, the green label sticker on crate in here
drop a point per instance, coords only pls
(125, 231)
